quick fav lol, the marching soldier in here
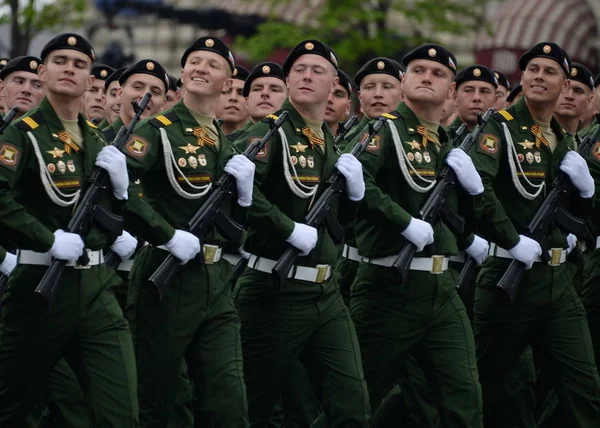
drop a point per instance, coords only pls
(340, 103)
(521, 151)
(21, 85)
(45, 162)
(94, 98)
(574, 102)
(306, 318)
(177, 156)
(231, 107)
(502, 91)
(112, 105)
(265, 91)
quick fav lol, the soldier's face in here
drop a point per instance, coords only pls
(574, 101)
(266, 96)
(66, 72)
(206, 74)
(94, 100)
(310, 80)
(501, 94)
(22, 89)
(113, 105)
(232, 105)
(378, 94)
(134, 88)
(427, 82)
(171, 99)
(338, 105)
(473, 98)
(543, 80)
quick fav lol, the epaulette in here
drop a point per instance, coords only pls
(272, 116)
(109, 134)
(91, 124)
(389, 116)
(163, 120)
(29, 123)
(503, 115)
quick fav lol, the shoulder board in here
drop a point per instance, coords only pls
(163, 120)
(91, 124)
(389, 116)
(504, 115)
(273, 116)
(31, 122)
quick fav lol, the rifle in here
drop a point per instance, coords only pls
(436, 205)
(321, 211)
(210, 212)
(343, 131)
(88, 209)
(546, 214)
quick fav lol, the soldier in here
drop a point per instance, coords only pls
(94, 98)
(574, 102)
(56, 144)
(588, 120)
(306, 318)
(173, 94)
(112, 105)
(502, 91)
(231, 107)
(340, 103)
(423, 315)
(515, 94)
(521, 151)
(177, 156)
(21, 85)
(265, 90)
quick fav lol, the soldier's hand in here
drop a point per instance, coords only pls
(467, 175)
(478, 249)
(124, 246)
(571, 242)
(576, 168)
(113, 161)
(351, 169)
(67, 246)
(526, 251)
(304, 238)
(242, 169)
(184, 245)
(419, 232)
(8, 264)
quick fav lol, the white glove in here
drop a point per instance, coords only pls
(304, 238)
(351, 168)
(526, 251)
(478, 249)
(124, 246)
(67, 246)
(419, 232)
(242, 169)
(467, 175)
(184, 245)
(8, 264)
(571, 242)
(113, 161)
(576, 168)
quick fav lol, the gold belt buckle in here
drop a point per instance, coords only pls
(210, 252)
(555, 256)
(437, 266)
(321, 273)
(86, 266)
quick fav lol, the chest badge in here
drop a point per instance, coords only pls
(182, 162)
(189, 149)
(71, 165)
(56, 153)
(414, 145)
(527, 145)
(310, 161)
(300, 148)
(529, 158)
(538, 157)
(410, 157)
(202, 160)
(302, 161)
(427, 157)
(418, 157)
(62, 167)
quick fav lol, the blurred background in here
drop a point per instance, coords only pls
(490, 32)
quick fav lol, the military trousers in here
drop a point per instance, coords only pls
(346, 269)
(85, 326)
(547, 314)
(425, 318)
(307, 322)
(195, 321)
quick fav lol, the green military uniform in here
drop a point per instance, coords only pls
(103, 124)
(307, 318)
(85, 323)
(546, 313)
(424, 317)
(197, 319)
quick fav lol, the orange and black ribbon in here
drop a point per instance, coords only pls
(202, 136)
(536, 130)
(426, 137)
(313, 139)
(68, 142)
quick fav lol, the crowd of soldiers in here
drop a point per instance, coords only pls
(345, 339)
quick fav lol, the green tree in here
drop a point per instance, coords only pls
(28, 17)
(358, 29)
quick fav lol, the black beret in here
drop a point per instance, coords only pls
(179, 83)
(597, 81)
(21, 63)
(172, 83)
(68, 41)
(264, 69)
(514, 93)
(547, 50)
(378, 66)
(240, 73)
(433, 53)
(345, 81)
(3, 62)
(476, 72)
(114, 77)
(211, 44)
(502, 80)
(581, 73)
(146, 66)
(102, 71)
(400, 67)
(310, 47)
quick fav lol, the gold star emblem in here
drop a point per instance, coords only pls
(300, 148)
(189, 149)
(527, 144)
(56, 153)
(414, 145)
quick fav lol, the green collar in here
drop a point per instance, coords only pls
(523, 117)
(411, 121)
(298, 122)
